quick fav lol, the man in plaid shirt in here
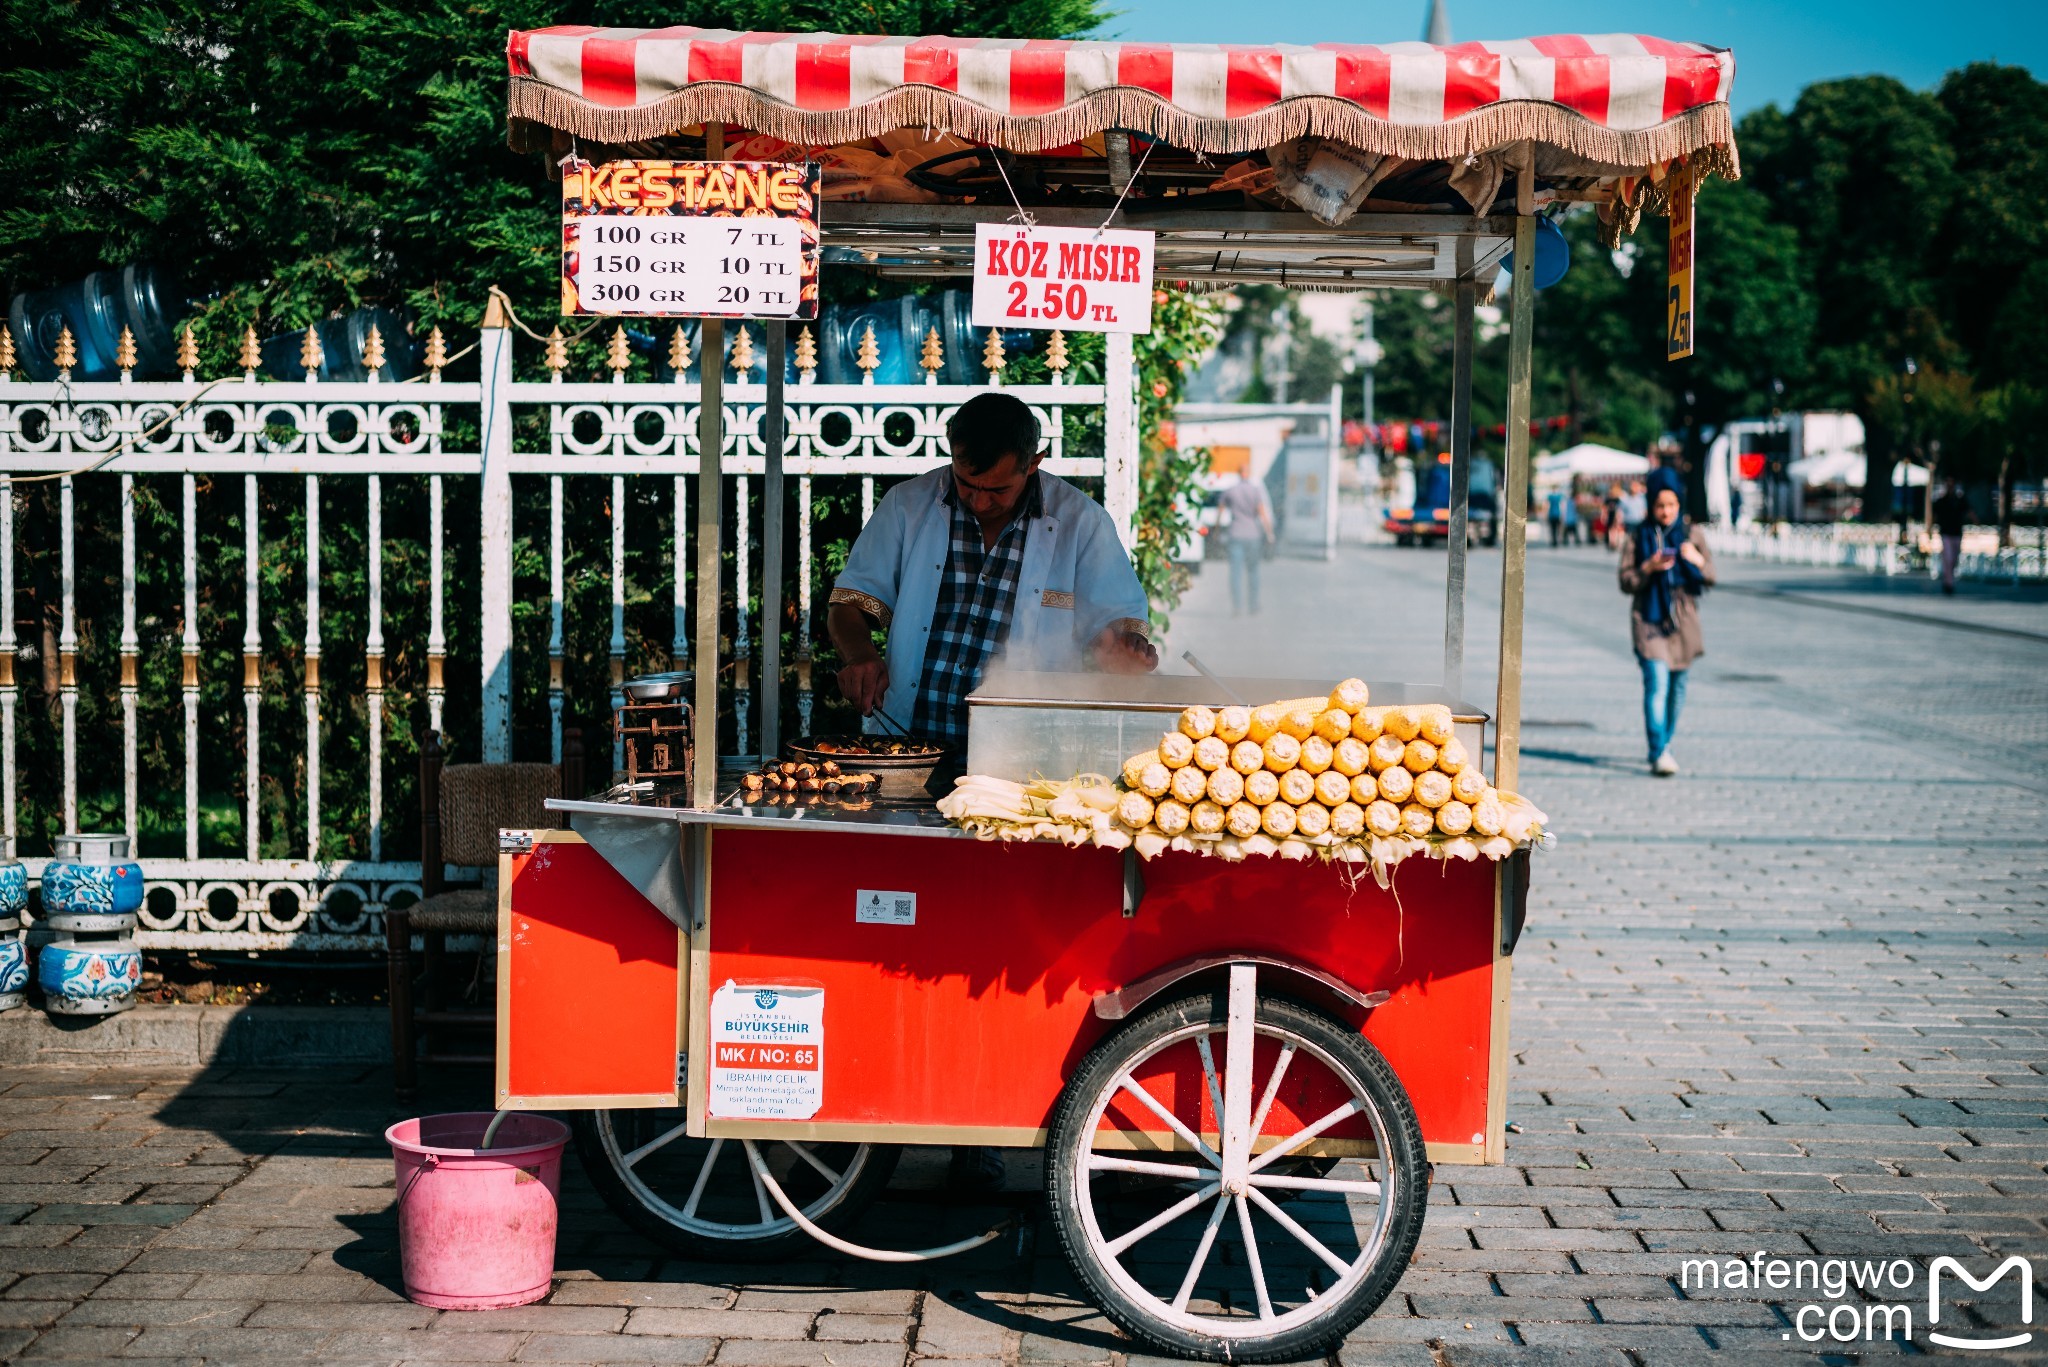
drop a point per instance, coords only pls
(987, 555)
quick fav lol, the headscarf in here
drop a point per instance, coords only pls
(1652, 538)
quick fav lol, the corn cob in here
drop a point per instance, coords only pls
(1432, 789)
(1190, 784)
(1316, 754)
(1283, 752)
(1156, 779)
(1297, 787)
(1226, 786)
(1332, 788)
(1198, 723)
(1233, 724)
(1261, 787)
(1397, 785)
(1311, 820)
(1351, 695)
(1212, 754)
(1247, 757)
(1176, 751)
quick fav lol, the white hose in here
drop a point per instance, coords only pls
(878, 1255)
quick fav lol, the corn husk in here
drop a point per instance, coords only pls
(1295, 849)
(1150, 844)
(1459, 847)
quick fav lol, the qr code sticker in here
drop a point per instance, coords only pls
(880, 908)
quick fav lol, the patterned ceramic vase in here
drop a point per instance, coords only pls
(13, 883)
(13, 965)
(91, 884)
(89, 977)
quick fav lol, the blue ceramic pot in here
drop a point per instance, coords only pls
(91, 875)
(89, 977)
(13, 970)
(13, 888)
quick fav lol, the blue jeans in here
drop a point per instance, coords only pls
(1244, 572)
(1663, 695)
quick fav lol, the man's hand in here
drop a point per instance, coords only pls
(865, 684)
(1125, 653)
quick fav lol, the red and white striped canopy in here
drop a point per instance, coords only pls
(1619, 99)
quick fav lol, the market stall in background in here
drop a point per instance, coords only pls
(1234, 950)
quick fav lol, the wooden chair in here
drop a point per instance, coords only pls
(462, 809)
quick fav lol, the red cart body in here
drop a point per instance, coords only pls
(960, 1017)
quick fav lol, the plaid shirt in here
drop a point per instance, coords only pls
(972, 618)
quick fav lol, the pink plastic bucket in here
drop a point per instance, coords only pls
(476, 1227)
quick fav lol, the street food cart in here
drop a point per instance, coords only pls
(1241, 1073)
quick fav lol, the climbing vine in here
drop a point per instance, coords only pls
(1185, 325)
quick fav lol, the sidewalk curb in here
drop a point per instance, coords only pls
(198, 1036)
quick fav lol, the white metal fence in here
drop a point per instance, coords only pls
(208, 433)
(1875, 549)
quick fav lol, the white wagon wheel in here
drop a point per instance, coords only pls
(1198, 1257)
(701, 1198)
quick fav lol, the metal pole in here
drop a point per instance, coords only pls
(1466, 298)
(1515, 498)
(710, 485)
(776, 331)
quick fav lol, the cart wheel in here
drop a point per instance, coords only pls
(1205, 1262)
(701, 1199)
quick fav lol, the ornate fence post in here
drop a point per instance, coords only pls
(495, 539)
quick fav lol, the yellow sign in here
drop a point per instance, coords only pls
(1678, 314)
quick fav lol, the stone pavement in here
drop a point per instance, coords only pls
(1793, 1003)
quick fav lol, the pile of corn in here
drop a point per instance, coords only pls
(1327, 777)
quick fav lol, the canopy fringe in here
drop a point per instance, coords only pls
(1708, 127)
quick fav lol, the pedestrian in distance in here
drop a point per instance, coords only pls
(1665, 566)
(1951, 515)
(1611, 516)
(1554, 515)
(1249, 534)
(1635, 506)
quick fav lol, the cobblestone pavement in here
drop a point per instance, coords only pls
(1792, 1003)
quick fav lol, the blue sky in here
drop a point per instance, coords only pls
(1780, 45)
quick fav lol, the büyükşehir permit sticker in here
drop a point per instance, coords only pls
(767, 1052)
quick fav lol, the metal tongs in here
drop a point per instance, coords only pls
(891, 725)
(1203, 670)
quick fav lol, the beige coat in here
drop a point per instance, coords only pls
(1683, 643)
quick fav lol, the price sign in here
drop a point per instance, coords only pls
(1073, 279)
(1678, 314)
(713, 239)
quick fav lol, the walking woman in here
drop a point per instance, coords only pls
(1665, 566)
